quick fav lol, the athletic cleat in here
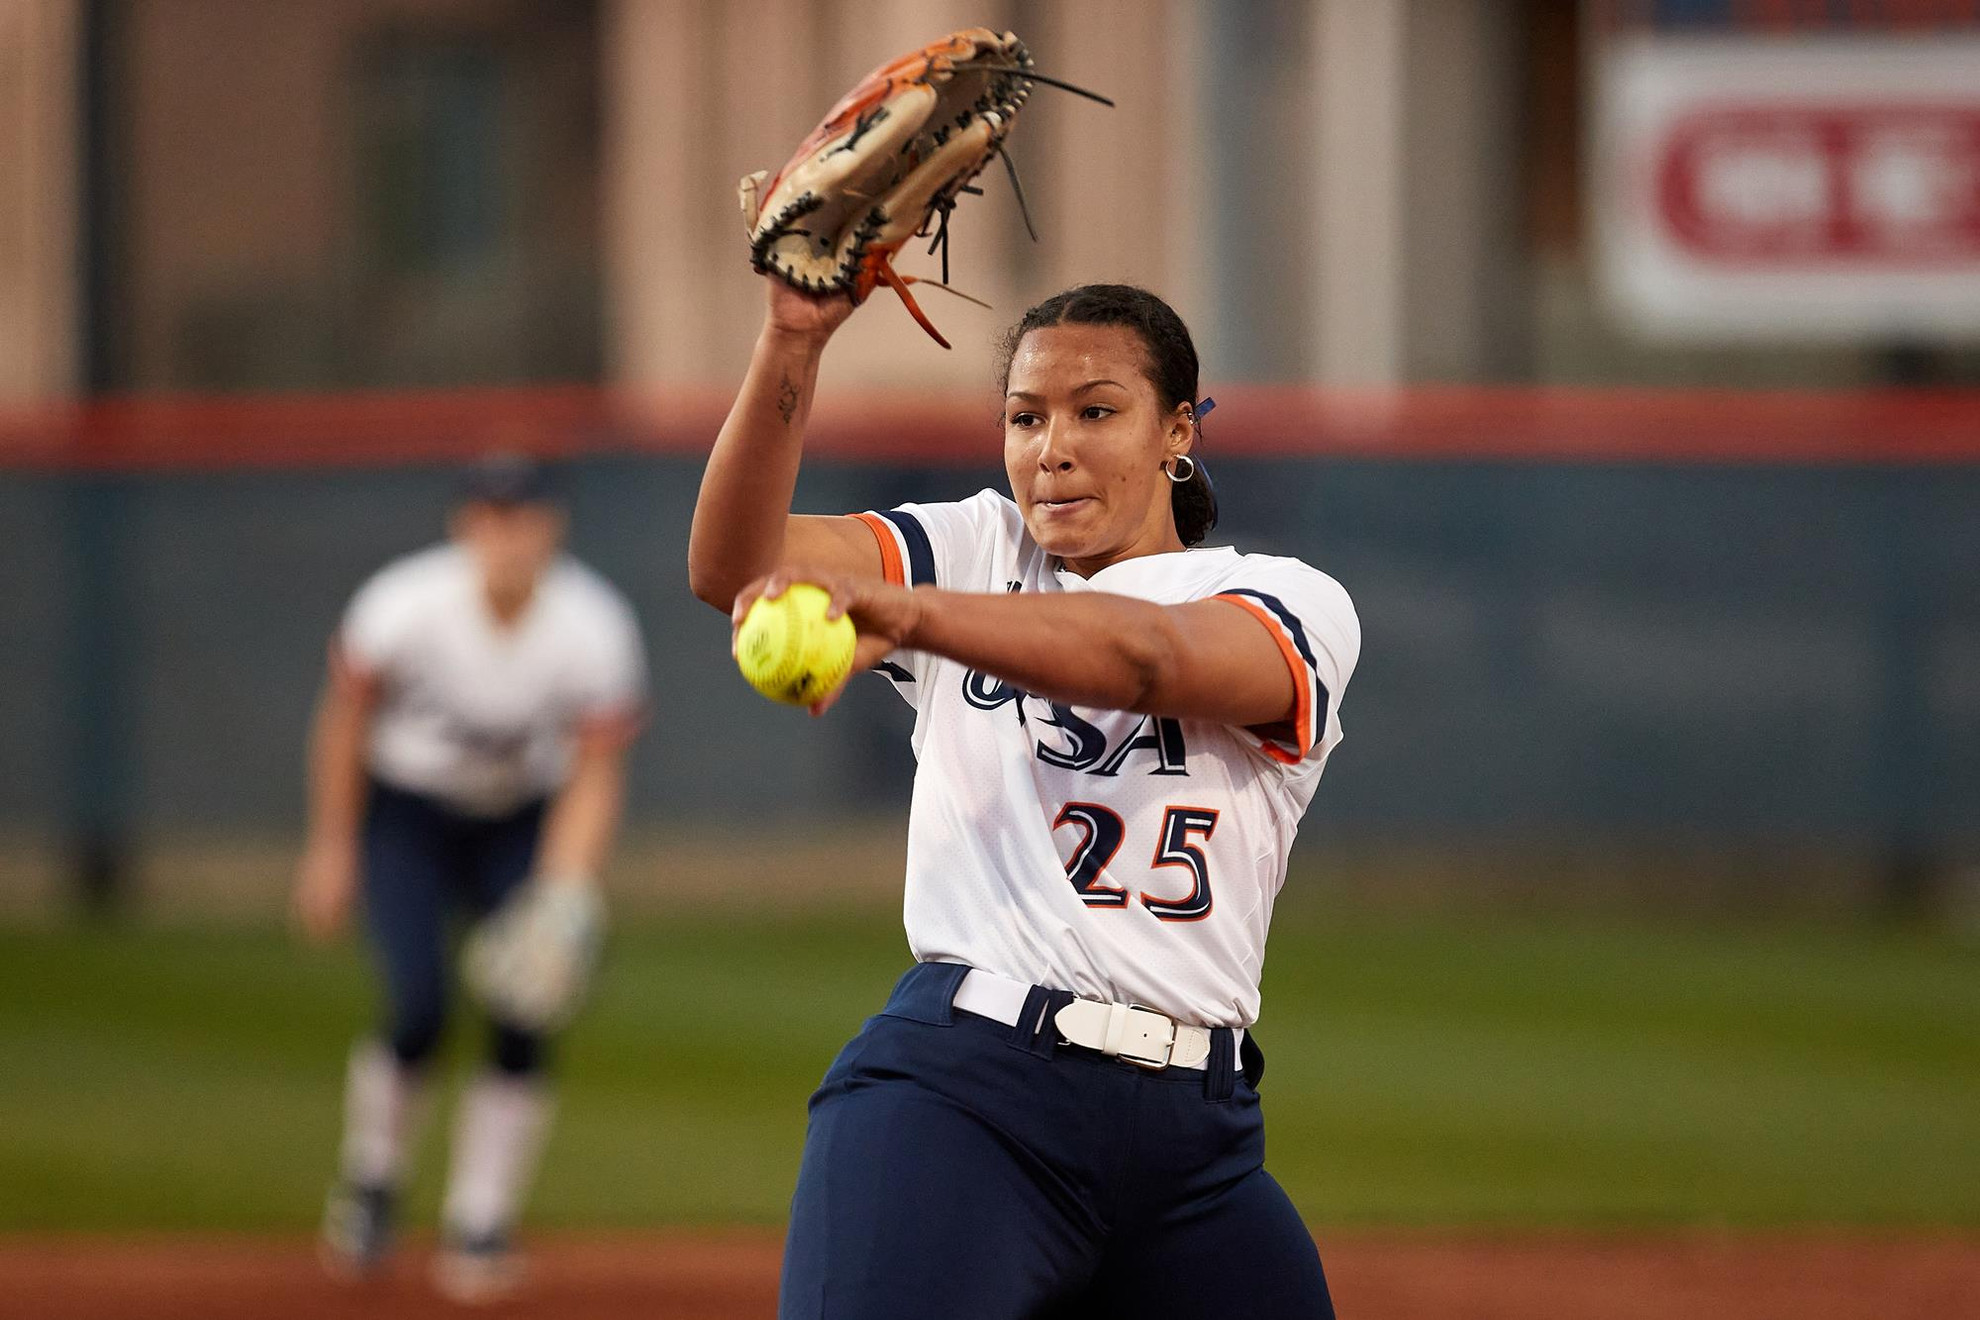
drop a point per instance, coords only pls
(477, 1270)
(357, 1229)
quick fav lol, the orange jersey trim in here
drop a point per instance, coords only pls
(890, 550)
(1302, 685)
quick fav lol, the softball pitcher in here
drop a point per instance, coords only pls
(1117, 732)
(467, 762)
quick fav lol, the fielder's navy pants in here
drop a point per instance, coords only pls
(425, 863)
(960, 1168)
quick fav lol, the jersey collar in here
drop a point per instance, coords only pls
(1149, 577)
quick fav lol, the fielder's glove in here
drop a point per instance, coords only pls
(530, 962)
(888, 164)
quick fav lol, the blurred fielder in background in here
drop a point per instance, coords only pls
(468, 759)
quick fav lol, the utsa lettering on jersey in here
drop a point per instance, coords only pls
(1116, 732)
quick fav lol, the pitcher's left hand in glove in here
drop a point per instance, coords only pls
(888, 164)
(530, 961)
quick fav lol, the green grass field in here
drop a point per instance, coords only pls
(1478, 1072)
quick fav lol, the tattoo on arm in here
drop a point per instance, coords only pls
(787, 399)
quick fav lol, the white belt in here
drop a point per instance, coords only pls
(1136, 1035)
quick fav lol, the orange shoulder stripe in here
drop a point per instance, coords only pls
(890, 549)
(1302, 682)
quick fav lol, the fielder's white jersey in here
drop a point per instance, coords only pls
(1122, 857)
(480, 715)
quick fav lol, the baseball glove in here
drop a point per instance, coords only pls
(529, 962)
(888, 164)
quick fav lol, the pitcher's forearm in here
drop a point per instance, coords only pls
(743, 510)
(1203, 659)
(1088, 649)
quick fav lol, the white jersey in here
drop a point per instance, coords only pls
(1122, 857)
(480, 715)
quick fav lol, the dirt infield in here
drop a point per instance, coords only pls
(724, 1277)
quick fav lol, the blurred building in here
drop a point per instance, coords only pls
(438, 192)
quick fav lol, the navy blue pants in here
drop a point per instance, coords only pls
(424, 864)
(961, 1168)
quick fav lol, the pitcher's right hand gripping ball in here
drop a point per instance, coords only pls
(790, 651)
(891, 158)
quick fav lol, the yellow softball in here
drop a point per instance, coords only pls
(789, 651)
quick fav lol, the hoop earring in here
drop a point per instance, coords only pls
(1176, 473)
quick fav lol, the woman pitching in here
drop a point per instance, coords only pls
(1116, 736)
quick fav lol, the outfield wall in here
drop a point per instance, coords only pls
(1651, 649)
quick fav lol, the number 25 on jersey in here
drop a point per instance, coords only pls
(1102, 834)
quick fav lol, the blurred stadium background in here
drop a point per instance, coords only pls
(1622, 357)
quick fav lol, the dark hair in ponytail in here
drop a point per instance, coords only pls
(1171, 369)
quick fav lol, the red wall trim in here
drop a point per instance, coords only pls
(162, 434)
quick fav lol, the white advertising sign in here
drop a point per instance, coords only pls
(1789, 188)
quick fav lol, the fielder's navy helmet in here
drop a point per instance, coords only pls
(508, 478)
